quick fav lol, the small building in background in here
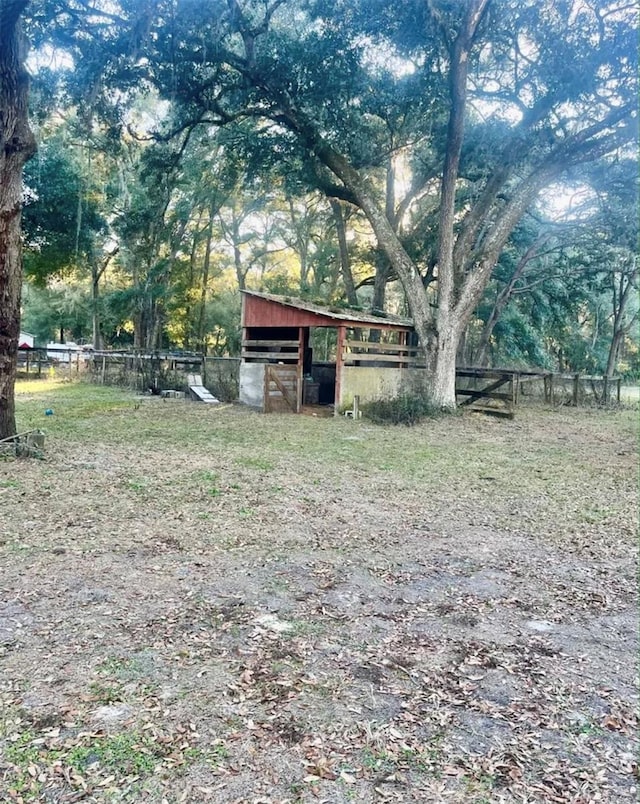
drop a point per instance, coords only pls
(362, 355)
(26, 340)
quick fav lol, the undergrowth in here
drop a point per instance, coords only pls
(407, 409)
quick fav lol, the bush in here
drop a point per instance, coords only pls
(406, 409)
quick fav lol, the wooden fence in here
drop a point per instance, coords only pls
(498, 391)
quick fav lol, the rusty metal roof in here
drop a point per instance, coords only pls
(347, 315)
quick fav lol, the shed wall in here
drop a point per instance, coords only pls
(252, 384)
(373, 382)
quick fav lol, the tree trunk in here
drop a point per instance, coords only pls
(614, 349)
(442, 392)
(201, 340)
(17, 144)
(620, 298)
(96, 335)
(345, 264)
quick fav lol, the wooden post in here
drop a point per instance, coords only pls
(339, 367)
(576, 389)
(104, 369)
(605, 389)
(402, 340)
(300, 370)
(267, 386)
(619, 384)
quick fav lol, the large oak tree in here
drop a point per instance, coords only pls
(16, 146)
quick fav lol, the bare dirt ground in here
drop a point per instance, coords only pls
(210, 605)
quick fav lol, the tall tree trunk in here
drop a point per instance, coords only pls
(17, 144)
(345, 263)
(205, 282)
(614, 350)
(96, 334)
(620, 298)
(449, 329)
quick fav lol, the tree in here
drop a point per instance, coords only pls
(570, 273)
(559, 86)
(16, 146)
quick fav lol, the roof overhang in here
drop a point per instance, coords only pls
(300, 312)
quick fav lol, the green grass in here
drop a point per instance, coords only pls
(459, 457)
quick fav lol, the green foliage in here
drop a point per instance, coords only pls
(60, 218)
(407, 409)
(62, 307)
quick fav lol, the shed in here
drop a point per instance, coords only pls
(372, 355)
(26, 340)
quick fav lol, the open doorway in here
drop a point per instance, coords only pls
(319, 369)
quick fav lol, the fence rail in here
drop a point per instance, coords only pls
(554, 388)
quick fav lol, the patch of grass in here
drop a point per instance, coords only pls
(123, 668)
(104, 693)
(20, 748)
(138, 486)
(206, 476)
(121, 754)
(262, 464)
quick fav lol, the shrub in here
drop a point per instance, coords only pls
(406, 409)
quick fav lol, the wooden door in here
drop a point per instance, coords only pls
(281, 388)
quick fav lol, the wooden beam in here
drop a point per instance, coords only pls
(276, 357)
(299, 372)
(293, 344)
(339, 366)
(383, 347)
(367, 357)
(484, 392)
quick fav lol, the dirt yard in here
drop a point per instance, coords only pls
(205, 604)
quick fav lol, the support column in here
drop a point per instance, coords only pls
(339, 366)
(300, 369)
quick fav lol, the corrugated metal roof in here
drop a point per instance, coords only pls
(347, 315)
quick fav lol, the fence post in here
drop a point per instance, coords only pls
(576, 389)
(605, 389)
(619, 384)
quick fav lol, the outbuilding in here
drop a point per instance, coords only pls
(372, 356)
